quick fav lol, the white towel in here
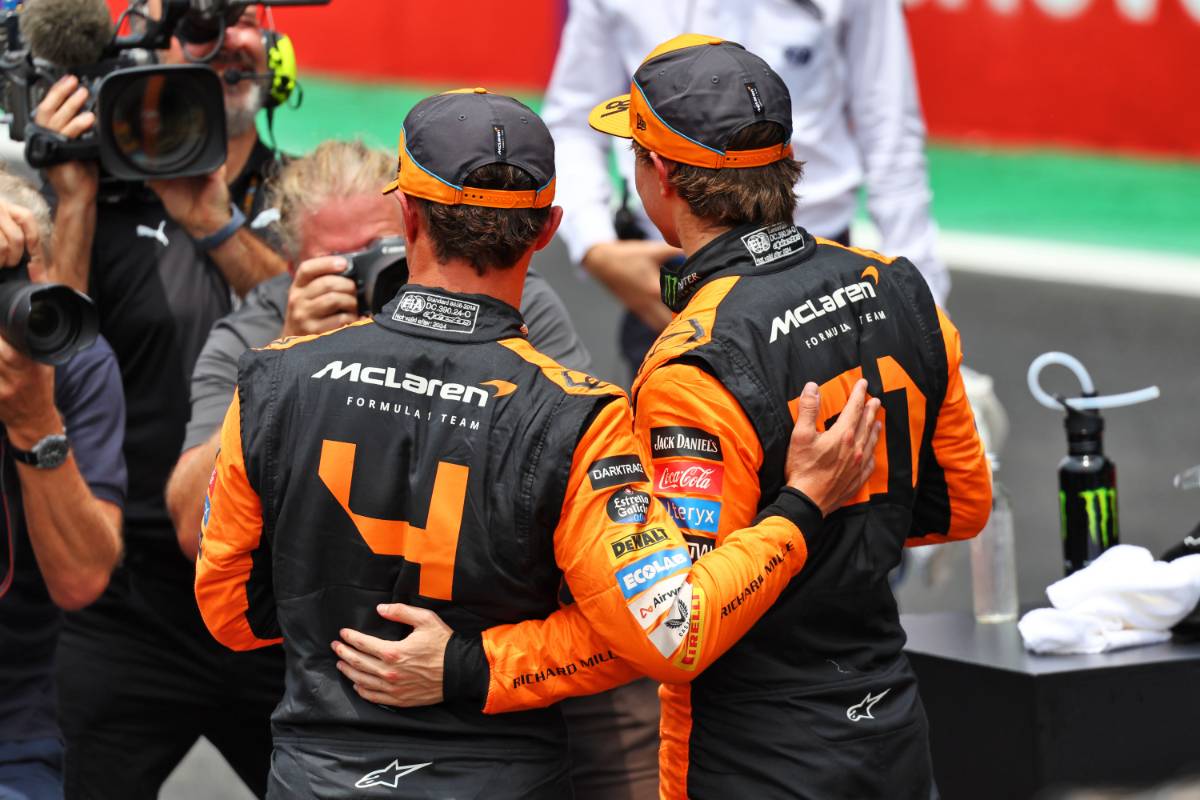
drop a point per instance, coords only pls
(1123, 599)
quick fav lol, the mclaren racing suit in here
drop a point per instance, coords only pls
(432, 456)
(817, 700)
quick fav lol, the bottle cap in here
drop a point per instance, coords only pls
(1084, 429)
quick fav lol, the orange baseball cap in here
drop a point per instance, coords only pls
(693, 94)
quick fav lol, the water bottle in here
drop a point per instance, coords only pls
(993, 562)
(1087, 492)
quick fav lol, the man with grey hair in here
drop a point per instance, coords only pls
(62, 477)
(330, 210)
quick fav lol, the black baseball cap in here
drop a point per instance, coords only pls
(693, 94)
(447, 136)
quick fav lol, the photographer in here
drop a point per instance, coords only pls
(329, 203)
(139, 677)
(62, 501)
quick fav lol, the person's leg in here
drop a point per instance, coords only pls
(119, 742)
(241, 731)
(31, 769)
(613, 738)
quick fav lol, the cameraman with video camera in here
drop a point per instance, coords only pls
(62, 477)
(140, 679)
(333, 221)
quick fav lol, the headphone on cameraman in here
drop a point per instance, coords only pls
(281, 67)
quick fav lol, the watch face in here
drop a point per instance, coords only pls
(51, 451)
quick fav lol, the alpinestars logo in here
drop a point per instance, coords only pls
(355, 372)
(863, 710)
(390, 775)
(812, 309)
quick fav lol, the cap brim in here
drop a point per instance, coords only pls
(391, 187)
(612, 117)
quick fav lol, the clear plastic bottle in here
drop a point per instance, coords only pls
(993, 561)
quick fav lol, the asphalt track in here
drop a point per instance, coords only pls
(1127, 340)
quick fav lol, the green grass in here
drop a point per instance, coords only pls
(1102, 200)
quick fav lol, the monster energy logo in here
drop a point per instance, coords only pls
(1101, 507)
(670, 287)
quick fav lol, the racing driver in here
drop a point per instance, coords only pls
(817, 700)
(431, 455)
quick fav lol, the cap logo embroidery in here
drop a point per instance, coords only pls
(755, 99)
(501, 145)
(641, 123)
(618, 106)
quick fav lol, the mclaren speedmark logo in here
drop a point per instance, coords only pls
(355, 372)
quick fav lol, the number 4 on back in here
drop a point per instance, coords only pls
(434, 546)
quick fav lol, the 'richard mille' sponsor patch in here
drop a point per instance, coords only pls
(615, 471)
(768, 245)
(437, 312)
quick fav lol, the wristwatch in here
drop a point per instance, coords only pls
(49, 452)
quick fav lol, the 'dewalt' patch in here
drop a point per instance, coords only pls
(636, 542)
(616, 471)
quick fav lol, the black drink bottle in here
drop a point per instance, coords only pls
(1087, 492)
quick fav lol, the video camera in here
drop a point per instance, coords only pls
(152, 121)
(378, 272)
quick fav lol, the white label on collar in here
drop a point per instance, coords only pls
(437, 312)
(768, 245)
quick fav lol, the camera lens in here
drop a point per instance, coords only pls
(155, 125)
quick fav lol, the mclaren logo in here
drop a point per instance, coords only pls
(872, 273)
(812, 309)
(355, 372)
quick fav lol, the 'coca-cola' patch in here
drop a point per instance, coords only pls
(689, 476)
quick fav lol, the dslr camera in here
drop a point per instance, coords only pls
(152, 121)
(47, 322)
(378, 272)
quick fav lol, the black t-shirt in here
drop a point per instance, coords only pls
(158, 296)
(87, 392)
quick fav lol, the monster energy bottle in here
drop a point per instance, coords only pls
(1087, 492)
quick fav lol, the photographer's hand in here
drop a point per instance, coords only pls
(18, 234)
(202, 206)
(75, 183)
(320, 299)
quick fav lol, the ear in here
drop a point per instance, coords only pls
(411, 216)
(548, 229)
(664, 176)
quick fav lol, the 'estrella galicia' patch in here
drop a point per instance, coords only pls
(616, 471)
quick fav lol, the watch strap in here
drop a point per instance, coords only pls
(214, 240)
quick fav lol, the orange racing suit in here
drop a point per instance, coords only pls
(432, 456)
(817, 700)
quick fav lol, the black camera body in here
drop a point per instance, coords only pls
(48, 322)
(378, 272)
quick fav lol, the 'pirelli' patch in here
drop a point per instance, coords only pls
(680, 440)
(637, 541)
(615, 471)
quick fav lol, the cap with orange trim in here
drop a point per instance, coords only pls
(692, 95)
(447, 136)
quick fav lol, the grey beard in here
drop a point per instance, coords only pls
(240, 119)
